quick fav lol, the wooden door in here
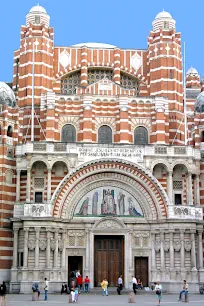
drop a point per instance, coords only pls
(141, 269)
(108, 259)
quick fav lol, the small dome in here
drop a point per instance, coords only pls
(38, 9)
(7, 96)
(199, 105)
(192, 71)
(163, 14)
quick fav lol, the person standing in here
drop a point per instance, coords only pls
(3, 293)
(86, 284)
(134, 284)
(79, 282)
(158, 289)
(77, 274)
(185, 291)
(120, 284)
(46, 288)
(104, 286)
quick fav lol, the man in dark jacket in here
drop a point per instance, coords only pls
(3, 293)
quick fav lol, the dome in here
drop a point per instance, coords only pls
(7, 96)
(192, 71)
(164, 21)
(199, 105)
(38, 9)
(163, 14)
(95, 45)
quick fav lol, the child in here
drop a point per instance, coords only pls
(76, 295)
(73, 295)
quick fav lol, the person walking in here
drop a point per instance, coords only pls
(104, 286)
(120, 284)
(185, 291)
(3, 293)
(46, 288)
(86, 284)
(79, 282)
(134, 284)
(158, 289)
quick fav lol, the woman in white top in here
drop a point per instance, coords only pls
(158, 289)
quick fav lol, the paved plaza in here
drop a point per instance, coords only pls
(92, 299)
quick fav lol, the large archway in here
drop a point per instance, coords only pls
(114, 175)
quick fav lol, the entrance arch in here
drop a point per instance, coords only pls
(139, 182)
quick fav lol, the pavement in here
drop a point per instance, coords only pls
(99, 300)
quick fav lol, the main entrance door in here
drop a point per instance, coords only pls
(108, 259)
(141, 269)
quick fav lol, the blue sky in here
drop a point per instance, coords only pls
(122, 23)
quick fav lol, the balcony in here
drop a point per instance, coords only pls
(185, 212)
(89, 151)
(32, 210)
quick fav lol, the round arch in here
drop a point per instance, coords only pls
(160, 162)
(149, 191)
(36, 159)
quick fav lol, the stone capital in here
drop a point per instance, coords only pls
(26, 229)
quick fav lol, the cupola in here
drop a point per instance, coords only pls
(38, 16)
(164, 21)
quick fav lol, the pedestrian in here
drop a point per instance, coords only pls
(77, 273)
(35, 288)
(46, 288)
(134, 284)
(3, 293)
(185, 291)
(86, 284)
(139, 284)
(104, 286)
(158, 289)
(79, 282)
(120, 284)
(76, 294)
(72, 295)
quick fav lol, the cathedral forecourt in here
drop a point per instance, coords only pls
(96, 172)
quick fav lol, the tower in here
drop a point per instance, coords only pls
(165, 72)
(33, 66)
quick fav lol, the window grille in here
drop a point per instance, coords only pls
(160, 150)
(69, 84)
(128, 82)
(80, 241)
(39, 183)
(177, 185)
(97, 75)
(71, 241)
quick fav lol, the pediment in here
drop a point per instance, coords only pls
(109, 223)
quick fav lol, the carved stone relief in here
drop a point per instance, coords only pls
(31, 244)
(61, 245)
(52, 244)
(177, 245)
(157, 245)
(42, 244)
(166, 245)
(187, 245)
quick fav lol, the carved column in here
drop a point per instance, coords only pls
(189, 189)
(18, 173)
(63, 263)
(25, 252)
(87, 262)
(171, 249)
(170, 187)
(130, 253)
(182, 252)
(56, 250)
(49, 184)
(193, 251)
(37, 236)
(48, 249)
(197, 179)
(28, 185)
(15, 248)
(200, 248)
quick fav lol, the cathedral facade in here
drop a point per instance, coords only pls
(101, 171)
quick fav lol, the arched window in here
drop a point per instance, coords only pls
(140, 136)
(10, 131)
(68, 133)
(105, 134)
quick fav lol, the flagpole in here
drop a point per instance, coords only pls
(184, 85)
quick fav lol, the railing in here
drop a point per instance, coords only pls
(185, 212)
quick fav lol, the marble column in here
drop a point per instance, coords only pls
(56, 250)
(171, 253)
(200, 248)
(197, 179)
(131, 269)
(182, 251)
(162, 251)
(63, 263)
(28, 185)
(170, 187)
(48, 266)
(25, 252)
(153, 252)
(189, 189)
(87, 261)
(18, 173)
(15, 248)
(193, 251)
(37, 236)
(49, 173)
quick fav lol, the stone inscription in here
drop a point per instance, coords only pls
(135, 154)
